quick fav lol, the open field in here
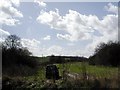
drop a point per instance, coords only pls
(73, 77)
(96, 71)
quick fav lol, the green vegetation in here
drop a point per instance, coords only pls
(99, 73)
(16, 59)
(106, 54)
(22, 70)
(96, 71)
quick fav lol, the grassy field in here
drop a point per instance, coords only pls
(96, 71)
(101, 73)
(105, 76)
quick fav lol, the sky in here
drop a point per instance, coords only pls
(59, 28)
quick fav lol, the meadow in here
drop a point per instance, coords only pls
(96, 71)
(73, 75)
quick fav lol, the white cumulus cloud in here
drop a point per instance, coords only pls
(33, 45)
(41, 3)
(55, 50)
(48, 37)
(8, 12)
(77, 26)
(112, 8)
(3, 35)
(73, 23)
(38, 49)
(16, 2)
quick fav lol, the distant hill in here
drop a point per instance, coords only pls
(62, 59)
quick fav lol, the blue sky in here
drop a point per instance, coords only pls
(62, 28)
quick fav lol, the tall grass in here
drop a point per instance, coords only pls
(97, 77)
(93, 76)
(98, 71)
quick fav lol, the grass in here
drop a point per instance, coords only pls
(104, 75)
(97, 72)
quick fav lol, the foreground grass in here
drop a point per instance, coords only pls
(105, 75)
(99, 76)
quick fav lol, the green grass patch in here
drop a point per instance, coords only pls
(39, 81)
(96, 71)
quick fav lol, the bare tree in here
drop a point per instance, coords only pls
(13, 41)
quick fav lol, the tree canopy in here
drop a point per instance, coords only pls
(106, 54)
(13, 41)
(15, 56)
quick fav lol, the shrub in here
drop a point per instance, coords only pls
(106, 54)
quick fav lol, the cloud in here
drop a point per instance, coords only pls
(33, 45)
(55, 50)
(77, 26)
(9, 12)
(48, 37)
(37, 49)
(41, 3)
(30, 43)
(16, 2)
(3, 35)
(72, 23)
(111, 8)
(61, 36)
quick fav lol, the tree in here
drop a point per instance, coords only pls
(13, 51)
(15, 56)
(106, 54)
(13, 41)
(13, 45)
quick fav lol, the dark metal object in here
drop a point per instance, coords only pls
(52, 72)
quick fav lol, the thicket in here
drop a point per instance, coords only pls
(16, 59)
(106, 54)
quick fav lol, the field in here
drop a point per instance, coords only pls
(96, 71)
(73, 75)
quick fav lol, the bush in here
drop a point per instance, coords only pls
(106, 54)
(16, 60)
